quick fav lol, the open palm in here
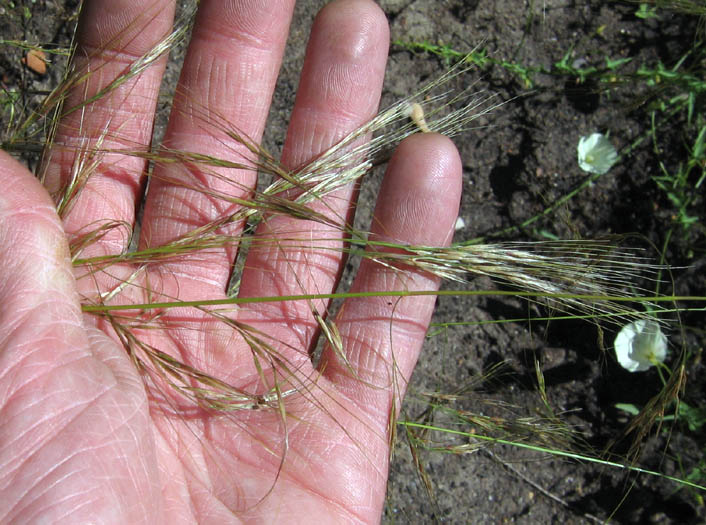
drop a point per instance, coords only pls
(81, 439)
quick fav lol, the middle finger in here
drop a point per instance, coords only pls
(228, 78)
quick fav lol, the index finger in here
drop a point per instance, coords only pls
(113, 36)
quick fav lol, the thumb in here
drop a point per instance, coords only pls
(37, 289)
(70, 419)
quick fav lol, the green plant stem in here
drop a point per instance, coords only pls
(554, 452)
(96, 308)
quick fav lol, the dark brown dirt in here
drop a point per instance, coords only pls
(517, 161)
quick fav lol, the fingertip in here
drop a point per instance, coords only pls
(420, 195)
(126, 26)
(22, 189)
(342, 77)
(428, 159)
(365, 16)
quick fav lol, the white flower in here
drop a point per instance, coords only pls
(460, 224)
(640, 345)
(596, 154)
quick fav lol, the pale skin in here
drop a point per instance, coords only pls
(80, 441)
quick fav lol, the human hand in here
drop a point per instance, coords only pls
(82, 440)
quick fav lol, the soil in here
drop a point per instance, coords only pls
(518, 160)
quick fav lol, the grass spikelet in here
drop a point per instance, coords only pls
(594, 279)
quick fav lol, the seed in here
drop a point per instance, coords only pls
(416, 113)
(36, 60)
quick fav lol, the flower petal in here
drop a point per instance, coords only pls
(596, 154)
(640, 345)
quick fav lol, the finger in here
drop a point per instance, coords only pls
(339, 91)
(226, 85)
(36, 276)
(112, 36)
(57, 383)
(382, 336)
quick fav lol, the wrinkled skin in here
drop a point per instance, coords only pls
(80, 440)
